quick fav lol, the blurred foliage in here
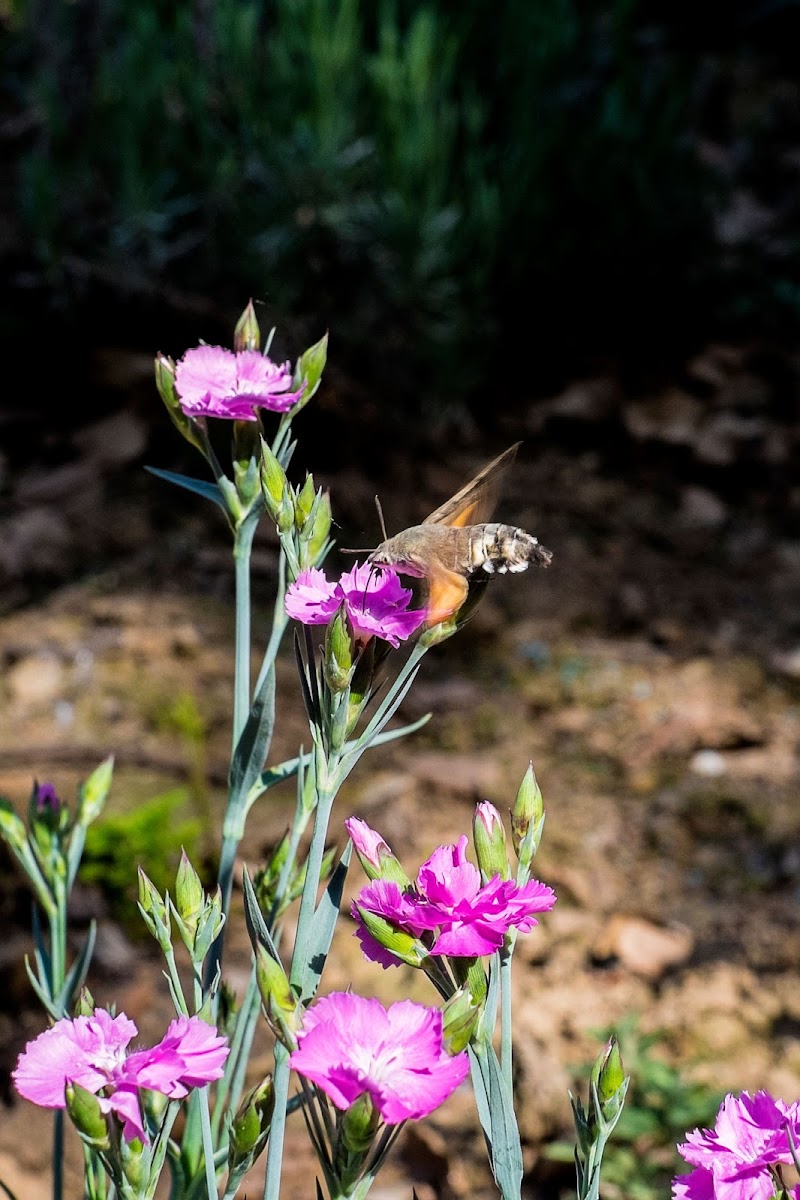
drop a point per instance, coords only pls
(661, 1107)
(462, 192)
(153, 834)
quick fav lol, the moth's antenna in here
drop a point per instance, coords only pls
(380, 518)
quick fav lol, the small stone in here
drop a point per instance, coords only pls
(643, 947)
(36, 679)
(709, 763)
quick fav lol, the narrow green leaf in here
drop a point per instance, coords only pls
(78, 972)
(253, 745)
(200, 487)
(320, 935)
(496, 1115)
(254, 919)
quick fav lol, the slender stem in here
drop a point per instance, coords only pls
(208, 1144)
(58, 1154)
(506, 1048)
(230, 1086)
(242, 546)
(280, 1082)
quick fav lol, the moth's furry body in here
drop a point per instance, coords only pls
(491, 547)
(456, 543)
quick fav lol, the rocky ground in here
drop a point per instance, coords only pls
(652, 675)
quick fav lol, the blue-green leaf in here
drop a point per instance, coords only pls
(201, 487)
(320, 935)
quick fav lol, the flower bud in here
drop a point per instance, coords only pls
(47, 807)
(136, 1160)
(84, 1006)
(273, 483)
(280, 1003)
(209, 926)
(374, 854)
(359, 1124)
(438, 633)
(12, 828)
(93, 793)
(320, 522)
(247, 335)
(404, 946)
(189, 895)
(527, 818)
(250, 1127)
(186, 426)
(304, 502)
(154, 911)
(87, 1117)
(337, 662)
(608, 1075)
(308, 370)
(490, 841)
(460, 1019)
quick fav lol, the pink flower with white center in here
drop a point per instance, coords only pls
(214, 382)
(92, 1051)
(732, 1161)
(375, 601)
(350, 1045)
(467, 920)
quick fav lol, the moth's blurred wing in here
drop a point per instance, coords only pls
(475, 503)
(446, 592)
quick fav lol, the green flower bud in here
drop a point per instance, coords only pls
(154, 911)
(84, 1006)
(12, 828)
(359, 1124)
(85, 1113)
(93, 793)
(337, 662)
(304, 502)
(135, 1161)
(250, 1127)
(608, 1074)
(187, 426)
(189, 894)
(308, 370)
(490, 841)
(527, 817)
(280, 1003)
(209, 926)
(403, 946)
(460, 1019)
(321, 519)
(438, 633)
(274, 485)
(247, 335)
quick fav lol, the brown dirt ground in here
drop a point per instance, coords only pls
(652, 677)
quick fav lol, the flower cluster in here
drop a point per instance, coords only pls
(375, 601)
(92, 1052)
(738, 1158)
(466, 919)
(350, 1045)
(214, 382)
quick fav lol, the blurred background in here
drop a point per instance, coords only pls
(572, 224)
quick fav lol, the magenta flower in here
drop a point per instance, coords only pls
(375, 601)
(350, 1045)
(471, 920)
(214, 382)
(46, 798)
(92, 1051)
(732, 1161)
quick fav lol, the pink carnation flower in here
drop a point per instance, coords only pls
(350, 1045)
(471, 919)
(732, 1161)
(92, 1051)
(375, 601)
(214, 382)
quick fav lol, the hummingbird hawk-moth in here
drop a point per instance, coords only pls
(456, 543)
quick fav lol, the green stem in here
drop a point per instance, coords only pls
(242, 545)
(58, 1154)
(230, 1086)
(506, 1048)
(280, 1082)
(208, 1144)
